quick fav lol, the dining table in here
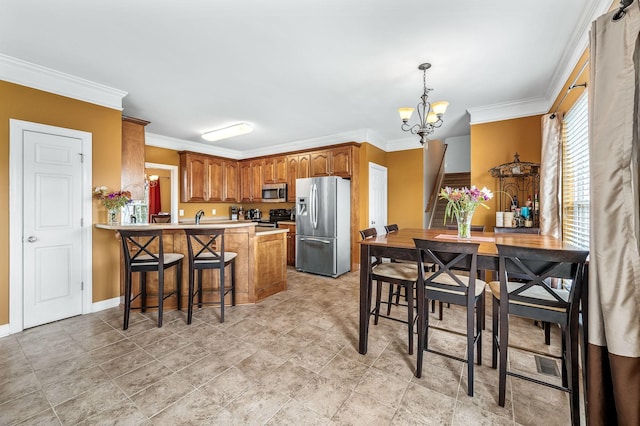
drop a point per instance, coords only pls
(400, 245)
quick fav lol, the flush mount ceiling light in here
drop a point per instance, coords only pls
(228, 132)
(430, 113)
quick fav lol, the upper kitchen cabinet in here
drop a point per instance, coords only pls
(251, 180)
(297, 167)
(132, 165)
(275, 170)
(207, 179)
(332, 162)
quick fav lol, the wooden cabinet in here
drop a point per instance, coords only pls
(332, 162)
(251, 180)
(275, 170)
(207, 179)
(297, 167)
(340, 159)
(291, 242)
(270, 274)
(132, 150)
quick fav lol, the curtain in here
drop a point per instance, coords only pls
(550, 167)
(154, 197)
(613, 364)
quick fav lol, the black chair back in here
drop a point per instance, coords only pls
(365, 234)
(391, 228)
(206, 247)
(142, 249)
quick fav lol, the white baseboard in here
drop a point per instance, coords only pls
(4, 330)
(105, 304)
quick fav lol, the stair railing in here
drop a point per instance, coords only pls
(433, 198)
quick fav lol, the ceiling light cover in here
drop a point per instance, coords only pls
(228, 132)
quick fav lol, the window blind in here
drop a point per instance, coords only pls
(575, 174)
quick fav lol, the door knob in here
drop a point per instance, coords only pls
(32, 239)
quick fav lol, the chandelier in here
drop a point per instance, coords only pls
(430, 113)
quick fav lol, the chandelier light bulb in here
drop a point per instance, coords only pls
(405, 113)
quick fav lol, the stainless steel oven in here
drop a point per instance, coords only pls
(274, 193)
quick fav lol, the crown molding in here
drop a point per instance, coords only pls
(403, 144)
(508, 110)
(25, 73)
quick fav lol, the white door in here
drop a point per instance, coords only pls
(52, 227)
(377, 197)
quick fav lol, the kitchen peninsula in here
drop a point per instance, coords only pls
(260, 264)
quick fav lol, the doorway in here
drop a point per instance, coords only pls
(377, 197)
(50, 231)
(172, 180)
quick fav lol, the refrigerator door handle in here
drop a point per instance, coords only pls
(316, 240)
(314, 206)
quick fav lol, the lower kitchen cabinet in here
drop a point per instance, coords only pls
(291, 241)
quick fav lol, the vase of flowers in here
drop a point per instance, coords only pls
(113, 202)
(462, 203)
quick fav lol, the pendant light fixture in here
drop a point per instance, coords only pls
(430, 114)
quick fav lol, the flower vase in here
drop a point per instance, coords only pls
(112, 216)
(464, 223)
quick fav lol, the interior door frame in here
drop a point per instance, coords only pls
(174, 186)
(16, 188)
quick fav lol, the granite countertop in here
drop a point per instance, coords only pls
(182, 225)
(259, 230)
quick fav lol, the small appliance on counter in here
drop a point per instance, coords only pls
(234, 212)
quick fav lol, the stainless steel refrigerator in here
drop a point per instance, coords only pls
(323, 224)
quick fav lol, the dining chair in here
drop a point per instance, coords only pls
(447, 285)
(206, 251)
(143, 252)
(534, 298)
(400, 274)
(533, 231)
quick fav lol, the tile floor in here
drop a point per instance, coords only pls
(291, 359)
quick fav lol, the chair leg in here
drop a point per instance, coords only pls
(440, 304)
(479, 327)
(192, 273)
(222, 292)
(433, 306)
(143, 292)
(470, 344)
(572, 372)
(409, 318)
(547, 332)
(160, 295)
(378, 296)
(127, 299)
(494, 332)
(233, 283)
(504, 345)
(179, 285)
(392, 291)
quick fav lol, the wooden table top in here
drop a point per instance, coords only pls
(488, 240)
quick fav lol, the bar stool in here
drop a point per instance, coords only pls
(137, 249)
(206, 251)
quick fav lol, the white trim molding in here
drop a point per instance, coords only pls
(508, 110)
(25, 73)
(105, 304)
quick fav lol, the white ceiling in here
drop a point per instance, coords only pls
(304, 73)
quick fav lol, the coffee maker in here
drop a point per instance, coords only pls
(234, 212)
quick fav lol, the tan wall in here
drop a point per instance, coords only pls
(406, 188)
(495, 143)
(105, 124)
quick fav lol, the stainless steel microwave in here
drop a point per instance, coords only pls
(274, 193)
